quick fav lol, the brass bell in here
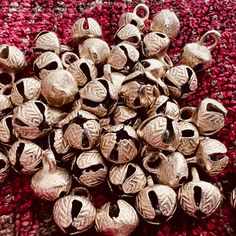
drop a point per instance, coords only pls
(83, 70)
(25, 156)
(209, 116)
(210, 156)
(123, 57)
(133, 17)
(5, 105)
(155, 44)
(166, 22)
(189, 138)
(59, 88)
(181, 81)
(4, 167)
(197, 55)
(46, 62)
(119, 144)
(29, 119)
(24, 90)
(160, 132)
(51, 182)
(126, 179)
(79, 33)
(166, 106)
(233, 198)
(156, 203)
(116, 219)
(89, 168)
(6, 134)
(198, 198)
(171, 170)
(95, 49)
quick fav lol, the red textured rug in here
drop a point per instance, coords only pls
(24, 215)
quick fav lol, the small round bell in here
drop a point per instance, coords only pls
(181, 81)
(160, 132)
(25, 156)
(233, 198)
(51, 182)
(199, 198)
(171, 170)
(119, 144)
(46, 62)
(99, 97)
(156, 203)
(5, 105)
(95, 49)
(89, 168)
(74, 214)
(6, 134)
(197, 55)
(83, 70)
(47, 41)
(166, 22)
(129, 34)
(123, 57)
(166, 106)
(127, 179)
(155, 44)
(134, 19)
(116, 219)
(189, 138)
(4, 167)
(79, 32)
(24, 90)
(29, 119)
(210, 156)
(59, 88)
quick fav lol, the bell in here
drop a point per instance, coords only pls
(25, 156)
(128, 34)
(59, 88)
(166, 106)
(189, 138)
(233, 198)
(166, 22)
(47, 41)
(123, 57)
(74, 214)
(171, 170)
(197, 55)
(42, 184)
(134, 19)
(119, 144)
(83, 70)
(46, 62)
(6, 134)
(210, 156)
(95, 49)
(89, 168)
(116, 219)
(127, 179)
(156, 203)
(209, 116)
(24, 90)
(81, 129)
(29, 119)
(160, 132)
(155, 44)
(5, 105)
(79, 32)
(198, 198)
(4, 167)
(181, 81)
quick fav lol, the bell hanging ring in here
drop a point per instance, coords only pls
(233, 198)
(166, 22)
(198, 55)
(6, 90)
(68, 58)
(198, 198)
(4, 167)
(79, 33)
(116, 219)
(134, 19)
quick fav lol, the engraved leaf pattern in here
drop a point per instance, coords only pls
(48, 41)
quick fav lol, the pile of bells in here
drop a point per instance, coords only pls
(110, 114)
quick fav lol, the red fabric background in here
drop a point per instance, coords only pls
(20, 20)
